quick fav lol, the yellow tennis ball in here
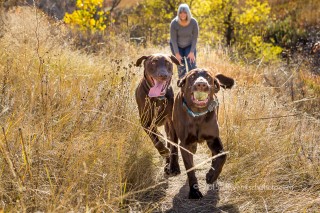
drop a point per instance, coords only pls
(200, 96)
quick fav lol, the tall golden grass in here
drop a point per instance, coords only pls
(274, 160)
(71, 139)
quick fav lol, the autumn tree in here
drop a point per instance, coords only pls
(239, 24)
(155, 16)
(251, 26)
(216, 19)
(91, 15)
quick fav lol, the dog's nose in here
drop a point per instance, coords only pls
(163, 74)
(201, 85)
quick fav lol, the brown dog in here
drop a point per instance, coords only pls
(155, 98)
(195, 120)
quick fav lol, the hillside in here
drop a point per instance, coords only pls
(71, 138)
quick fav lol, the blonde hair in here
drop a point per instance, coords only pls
(184, 8)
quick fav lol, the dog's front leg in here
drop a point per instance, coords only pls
(173, 164)
(187, 156)
(155, 136)
(216, 147)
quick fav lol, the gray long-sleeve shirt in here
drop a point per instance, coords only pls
(182, 37)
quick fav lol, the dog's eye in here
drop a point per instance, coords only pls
(208, 77)
(191, 78)
(153, 63)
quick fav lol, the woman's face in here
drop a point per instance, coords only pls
(183, 15)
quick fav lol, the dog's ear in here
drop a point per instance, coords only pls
(175, 60)
(216, 85)
(139, 61)
(182, 81)
(224, 81)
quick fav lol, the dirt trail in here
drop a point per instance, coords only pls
(172, 195)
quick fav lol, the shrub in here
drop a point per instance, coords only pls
(89, 16)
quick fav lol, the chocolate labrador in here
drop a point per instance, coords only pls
(155, 98)
(195, 120)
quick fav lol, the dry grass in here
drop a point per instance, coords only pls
(72, 140)
(71, 132)
(274, 161)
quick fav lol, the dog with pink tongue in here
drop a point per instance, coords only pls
(155, 98)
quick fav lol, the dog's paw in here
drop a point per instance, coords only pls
(211, 176)
(175, 170)
(171, 171)
(195, 192)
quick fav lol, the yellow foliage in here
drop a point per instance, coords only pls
(263, 50)
(250, 27)
(89, 16)
(254, 13)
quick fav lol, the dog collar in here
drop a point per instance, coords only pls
(211, 107)
(160, 98)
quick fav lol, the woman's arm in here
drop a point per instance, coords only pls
(174, 40)
(195, 33)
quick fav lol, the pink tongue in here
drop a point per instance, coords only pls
(155, 91)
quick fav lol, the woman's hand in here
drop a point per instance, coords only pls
(178, 56)
(191, 57)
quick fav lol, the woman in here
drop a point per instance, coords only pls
(184, 31)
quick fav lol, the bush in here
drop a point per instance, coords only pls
(89, 16)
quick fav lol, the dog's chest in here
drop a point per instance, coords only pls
(160, 105)
(157, 110)
(197, 133)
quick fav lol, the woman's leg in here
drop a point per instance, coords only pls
(181, 69)
(191, 66)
